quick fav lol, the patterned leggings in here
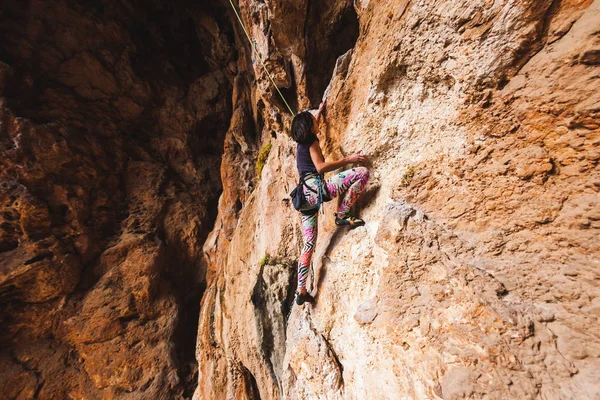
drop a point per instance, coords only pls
(352, 182)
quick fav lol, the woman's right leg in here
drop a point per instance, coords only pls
(309, 232)
(351, 183)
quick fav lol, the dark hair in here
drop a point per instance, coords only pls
(302, 128)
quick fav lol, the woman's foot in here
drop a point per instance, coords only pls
(302, 298)
(348, 219)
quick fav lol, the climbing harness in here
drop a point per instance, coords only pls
(297, 196)
(253, 45)
(324, 197)
(298, 199)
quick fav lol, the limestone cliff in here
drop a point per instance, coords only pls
(476, 275)
(136, 220)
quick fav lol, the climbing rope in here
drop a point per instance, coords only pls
(253, 45)
(319, 183)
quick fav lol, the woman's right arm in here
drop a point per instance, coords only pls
(320, 111)
(326, 166)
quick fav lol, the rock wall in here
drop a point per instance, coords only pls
(476, 275)
(112, 122)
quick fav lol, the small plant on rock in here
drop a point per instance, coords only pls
(408, 175)
(265, 260)
(263, 154)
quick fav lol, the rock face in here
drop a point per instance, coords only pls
(476, 275)
(136, 222)
(112, 124)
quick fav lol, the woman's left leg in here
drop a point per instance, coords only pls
(309, 232)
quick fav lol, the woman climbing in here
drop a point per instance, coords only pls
(311, 167)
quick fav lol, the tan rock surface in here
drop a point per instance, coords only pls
(476, 275)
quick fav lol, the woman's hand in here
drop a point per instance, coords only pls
(322, 106)
(323, 166)
(357, 158)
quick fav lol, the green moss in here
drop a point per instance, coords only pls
(265, 260)
(408, 175)
(262, 158)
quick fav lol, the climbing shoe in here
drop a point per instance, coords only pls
(348, 220)
(303, 298)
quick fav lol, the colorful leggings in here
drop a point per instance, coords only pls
(352, 182)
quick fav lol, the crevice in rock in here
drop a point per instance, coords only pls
(250, 386)
(260, 303)
(288, 303)
(290, 94)
(185, 341)
(329, 34)
(8, 246)
(530, 48)
(260, 123)
(39, 257)
(336, 359)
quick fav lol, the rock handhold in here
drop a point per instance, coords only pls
(366, 312)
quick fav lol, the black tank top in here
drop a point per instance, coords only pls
(303, 160)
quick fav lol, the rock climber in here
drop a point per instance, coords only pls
(311, 167)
